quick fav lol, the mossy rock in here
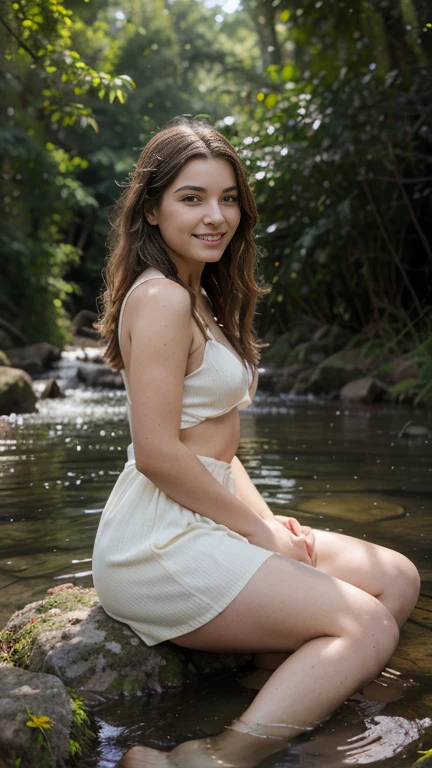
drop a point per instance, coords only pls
(16, 391)
(68, 634)
(337, 370)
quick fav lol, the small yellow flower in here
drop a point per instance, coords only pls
(38, 721)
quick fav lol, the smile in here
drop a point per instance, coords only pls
(211, 238)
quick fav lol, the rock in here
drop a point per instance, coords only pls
(68, 634)
(82, 324)
(42, 695)
(16, 392)
(404, 368)
(4, 358)
(52, 390)
(414, 430)
(35, 358)
(365, 390)
(97, 375)
(337, 370)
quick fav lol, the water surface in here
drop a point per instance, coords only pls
(336, 467)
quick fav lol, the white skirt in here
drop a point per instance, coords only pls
(161, 568)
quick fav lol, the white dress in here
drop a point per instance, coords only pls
(158, 566)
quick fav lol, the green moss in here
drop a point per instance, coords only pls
(69, 600)
(16, 647)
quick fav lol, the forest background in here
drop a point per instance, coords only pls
(328, 103)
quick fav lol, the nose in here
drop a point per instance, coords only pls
(213, 214)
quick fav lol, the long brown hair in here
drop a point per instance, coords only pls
(134, 244)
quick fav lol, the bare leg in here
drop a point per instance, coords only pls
(379, 571)
(341, 637)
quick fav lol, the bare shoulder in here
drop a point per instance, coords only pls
(155, 300)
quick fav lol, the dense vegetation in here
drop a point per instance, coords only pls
(328, 103)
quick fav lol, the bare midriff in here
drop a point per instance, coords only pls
(218, 438)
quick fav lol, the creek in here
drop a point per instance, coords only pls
(334, 466)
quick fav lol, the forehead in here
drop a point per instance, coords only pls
(211, 173)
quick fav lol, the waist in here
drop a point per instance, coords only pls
(218, 437)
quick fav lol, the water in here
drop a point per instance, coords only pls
(341, 468)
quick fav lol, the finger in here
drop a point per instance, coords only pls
(295, 525)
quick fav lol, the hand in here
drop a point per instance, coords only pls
(293, 525)
(282, 539)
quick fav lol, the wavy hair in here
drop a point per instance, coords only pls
(134, 244)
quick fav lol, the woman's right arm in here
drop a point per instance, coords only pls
(160, 325)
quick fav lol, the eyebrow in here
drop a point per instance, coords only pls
(202, 189)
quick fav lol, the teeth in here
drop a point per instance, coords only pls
(208, 237)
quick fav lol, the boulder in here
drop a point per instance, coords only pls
(35, 358)
(51, 390)
(16, 391)
(25, 697)
(68, 634)
(99, 375)
(364, 390)
(82, 324)
(337, 370)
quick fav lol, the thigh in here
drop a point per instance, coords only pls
(367, 566)
(284, 605)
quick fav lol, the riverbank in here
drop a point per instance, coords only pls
(329, 364)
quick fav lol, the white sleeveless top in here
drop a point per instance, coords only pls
(221, 383)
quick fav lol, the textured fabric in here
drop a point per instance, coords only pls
(163, 569)
(221, 383)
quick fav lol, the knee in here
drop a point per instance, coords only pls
(408, 581)
(376, 637)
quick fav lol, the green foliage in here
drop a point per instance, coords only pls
(81, 734)
(328, 106)
(339, 150)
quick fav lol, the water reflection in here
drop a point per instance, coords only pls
(343, 469)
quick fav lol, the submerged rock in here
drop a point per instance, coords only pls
(68, 634)
(16, 391)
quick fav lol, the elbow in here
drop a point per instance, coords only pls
(155, 461)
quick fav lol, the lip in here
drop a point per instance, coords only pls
(211, 243)
(209, 234)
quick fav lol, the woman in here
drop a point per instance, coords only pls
(187, 549)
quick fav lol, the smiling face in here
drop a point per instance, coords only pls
(198, 214)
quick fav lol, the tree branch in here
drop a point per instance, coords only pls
(19, 41)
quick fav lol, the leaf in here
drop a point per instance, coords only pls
(271, 100)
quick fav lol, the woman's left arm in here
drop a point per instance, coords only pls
(246, 491)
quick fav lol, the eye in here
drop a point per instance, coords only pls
(231, 198)
(189, 199)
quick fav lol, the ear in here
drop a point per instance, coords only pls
(150, 212)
